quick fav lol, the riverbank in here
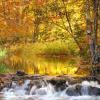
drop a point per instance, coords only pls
(59, 81)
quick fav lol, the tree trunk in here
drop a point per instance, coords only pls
(36, 30)
(92, 30)
(95, 56)
(36, 23)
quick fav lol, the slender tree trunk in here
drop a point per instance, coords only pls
(95, 56)
(36, 24)
(89, 28)
(70, 27)
(36, 30)
(92, 30)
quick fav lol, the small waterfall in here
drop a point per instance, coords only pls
(85, 88)
(42, 90)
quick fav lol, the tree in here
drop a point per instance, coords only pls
(92, 29)
(62, 15)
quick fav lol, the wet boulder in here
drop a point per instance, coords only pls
(79, 90)
(1, 84)
(94, 91)
(36, 87)
(20, 73)
(38, 83)
(74, 90)
(4, 82)
(58, 84)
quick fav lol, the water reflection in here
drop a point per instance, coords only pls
(35, 64)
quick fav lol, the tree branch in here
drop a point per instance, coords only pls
(71, 31)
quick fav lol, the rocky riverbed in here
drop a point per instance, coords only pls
(37, 87)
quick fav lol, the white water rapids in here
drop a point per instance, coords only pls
(48, 92)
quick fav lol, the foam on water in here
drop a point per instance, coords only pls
(46, 92)
(26, 97)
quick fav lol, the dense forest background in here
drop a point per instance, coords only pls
(49, 28)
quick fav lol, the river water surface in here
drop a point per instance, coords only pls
(47, 92)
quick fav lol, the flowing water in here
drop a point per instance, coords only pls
(48, 92)
(32, 64)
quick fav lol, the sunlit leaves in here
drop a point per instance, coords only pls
(43, 19)
(3, 52)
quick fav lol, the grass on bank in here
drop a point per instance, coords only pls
(47, 48)
(4, 68)
(21, 54)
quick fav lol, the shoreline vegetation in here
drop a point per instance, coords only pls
(30, 56)
(21, 56)
(47, 48)
(53, 30)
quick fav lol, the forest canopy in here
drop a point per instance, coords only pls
(51, 27)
